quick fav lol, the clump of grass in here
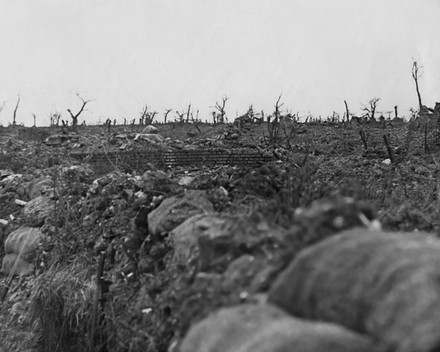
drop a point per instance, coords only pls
(62, 302)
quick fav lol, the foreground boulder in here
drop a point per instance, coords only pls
(265, 328)
(175, 210)
(185, 236)
(383, 284)
(215, 240)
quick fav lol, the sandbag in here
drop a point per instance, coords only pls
(383, 284)
(12, 264)
(24, 240)
(265, 328)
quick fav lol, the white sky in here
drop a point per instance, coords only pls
(168, 53)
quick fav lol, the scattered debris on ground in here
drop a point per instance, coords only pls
(149, 260)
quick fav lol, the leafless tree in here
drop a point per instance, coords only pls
(221, 109)
(214, 117)
(55, 119)
(146, 116)
(144, 113)
(75, 116)
(347, 112)
(371, 109)
(416, 75)
(108, 123)
(181, 116)
(273, 126)
(2, 106)
(166, 114)
(277, 112)
(14, 121)
(152, 114)
(188, 113)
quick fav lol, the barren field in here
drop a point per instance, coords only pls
(115, 239)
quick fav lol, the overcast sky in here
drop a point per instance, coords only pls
(168, 53)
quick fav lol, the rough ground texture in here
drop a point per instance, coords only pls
(110, 274)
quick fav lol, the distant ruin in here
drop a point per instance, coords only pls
(139, 161)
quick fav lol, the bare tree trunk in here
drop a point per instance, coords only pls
(221, 110)
(2, 106)
(277, 109)
(416, 75)
(166, 115)
(188, 113)
(14, 121)
(347, 111)
(75, 117)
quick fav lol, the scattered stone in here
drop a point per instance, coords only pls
(5, 173)
(184, 237)
(38, 186)
(20, 202)
(175, 210)
(59, 139)
(186, 180)
(10, 178)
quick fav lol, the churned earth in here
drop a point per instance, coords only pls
(130, 261)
